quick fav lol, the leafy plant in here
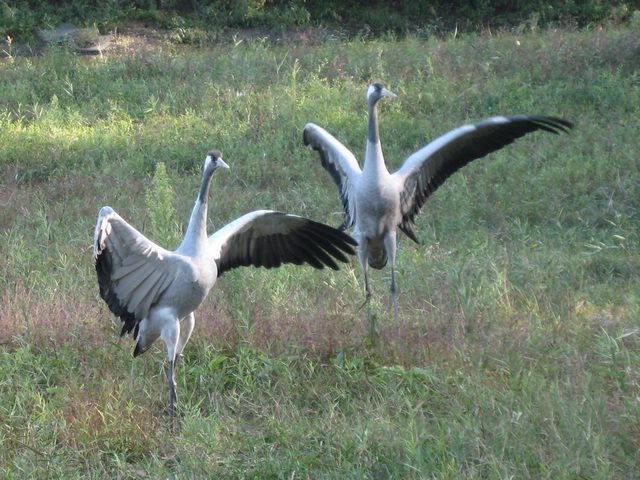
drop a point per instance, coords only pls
(159, 200)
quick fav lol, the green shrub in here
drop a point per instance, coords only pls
(193, 22)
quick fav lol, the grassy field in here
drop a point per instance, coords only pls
(518, 351)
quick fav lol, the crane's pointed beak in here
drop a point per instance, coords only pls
(222, 164)
(388, 93)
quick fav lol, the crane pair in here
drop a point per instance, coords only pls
(155, 291)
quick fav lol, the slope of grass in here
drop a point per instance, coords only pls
(518, 348)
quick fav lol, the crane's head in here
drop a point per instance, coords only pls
(376, 91)
(213, 161)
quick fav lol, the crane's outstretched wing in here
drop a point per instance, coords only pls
(425, 170)
(266, 238)
(340, 163)
(133, 272)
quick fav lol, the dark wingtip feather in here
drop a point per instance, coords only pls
(305, 140)
(313, 243)
(553, 124)
(325, 245)
(408, 231)
(103, 271)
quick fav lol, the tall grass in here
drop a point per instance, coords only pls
(518, 347)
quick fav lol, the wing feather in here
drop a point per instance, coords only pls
(341, 165)
(132, 271)
(425, 170)
(144, 292)
(266, 238)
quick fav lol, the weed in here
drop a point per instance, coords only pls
(159, 200)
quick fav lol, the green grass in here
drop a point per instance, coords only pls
(517, 355)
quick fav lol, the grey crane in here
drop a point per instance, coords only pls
(378, 203)
(155, 291)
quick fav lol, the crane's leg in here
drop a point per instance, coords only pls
(367, 289)
(171, 335)
(184, 332)
(394, 297)
(363, 255)
(173, 397)
(390, 247)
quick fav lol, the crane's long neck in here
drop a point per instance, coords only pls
(373, 158)
(195, 240)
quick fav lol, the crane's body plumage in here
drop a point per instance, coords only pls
(155, 291)
(377, 203)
